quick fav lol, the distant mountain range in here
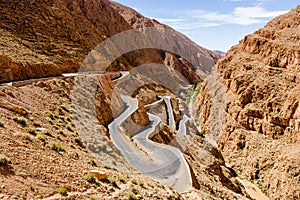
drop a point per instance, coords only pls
(222, 53)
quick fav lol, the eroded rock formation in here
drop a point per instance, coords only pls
(262, 78)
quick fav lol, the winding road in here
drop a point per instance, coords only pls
(171, 118)
(161, 162)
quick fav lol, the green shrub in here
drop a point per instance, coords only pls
(122, 180)
(188, 96)
(134, 191)
(201, 133)
(197, 91)
(142, 185)
(69, 119)
(55, 146)
(41, 137)
(26, 136)
(114, 183)
(20, 120)
(68, 127)
(193, 93)
(50, 134)
(56, 116)
(90, 178)
(50, 115)
(30, 130)
(41, 195)
(132, 197)
(61, 132)
(36, 124)
(63, 108)
(63, 191)
(60, 110)
(50, 120)
(1, 124)
(31, 188)
(57, 126)
(92, 162)
(57, 137)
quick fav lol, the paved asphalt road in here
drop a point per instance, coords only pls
(161, 162)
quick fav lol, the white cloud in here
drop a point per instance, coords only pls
(187, 24)
(192, 19)
(176, 20)
(255, 12)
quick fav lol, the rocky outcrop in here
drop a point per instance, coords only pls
(262, 78)
(98, 174)
(135, 19)
(208, 58)
(49, 38)
(43, 39)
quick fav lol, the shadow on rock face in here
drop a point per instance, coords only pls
(6, 169)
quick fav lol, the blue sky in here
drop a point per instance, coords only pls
(214, 24)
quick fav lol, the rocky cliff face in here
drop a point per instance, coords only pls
(261, 134)
(49, 38)
(46, 39)
(136, 20)
(40, 39)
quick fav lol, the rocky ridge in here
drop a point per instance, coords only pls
(136, 20)
(37, 123)
(47, 39)
(261, 133)
(41, 39)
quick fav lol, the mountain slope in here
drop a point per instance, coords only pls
(53, 37)
(47, 38)
(261, 134)
(136, 20)
(42, 154)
